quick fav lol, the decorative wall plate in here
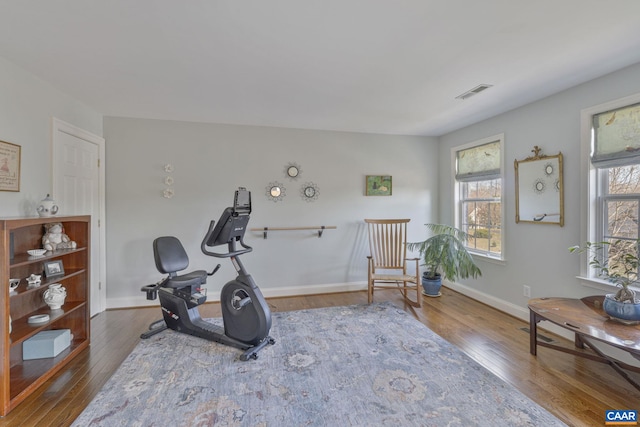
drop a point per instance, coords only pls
(275, 191)
(309, 192)
(292, 170)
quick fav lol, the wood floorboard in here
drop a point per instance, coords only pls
(576, 390)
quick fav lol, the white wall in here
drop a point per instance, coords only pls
(536, 254)
(27, 105)
(211, 161)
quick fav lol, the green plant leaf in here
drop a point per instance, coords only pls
(445, 253)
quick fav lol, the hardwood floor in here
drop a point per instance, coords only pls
(576, 390)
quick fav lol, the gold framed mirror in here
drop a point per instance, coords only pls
(539, 189)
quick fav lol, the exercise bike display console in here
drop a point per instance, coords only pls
(245, 313)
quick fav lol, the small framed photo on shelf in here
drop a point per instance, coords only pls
(378, 185)
(53, 268)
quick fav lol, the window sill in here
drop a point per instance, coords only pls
(488, 258)
(602, 285)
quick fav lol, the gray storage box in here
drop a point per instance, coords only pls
(46, 344)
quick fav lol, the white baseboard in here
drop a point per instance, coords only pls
(287, 291)
(507, 307)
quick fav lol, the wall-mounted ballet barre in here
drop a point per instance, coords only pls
(320, 229)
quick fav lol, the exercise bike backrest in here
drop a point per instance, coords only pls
(169, 255)
(230, 227)
(170, 258)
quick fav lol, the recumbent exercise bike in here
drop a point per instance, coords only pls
(245, 313)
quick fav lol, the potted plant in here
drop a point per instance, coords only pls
(620, 268)
(445, 257)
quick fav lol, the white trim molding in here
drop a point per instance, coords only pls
(286, 291)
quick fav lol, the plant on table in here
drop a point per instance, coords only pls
(619, 267)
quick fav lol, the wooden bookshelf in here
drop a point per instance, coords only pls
(18, 377)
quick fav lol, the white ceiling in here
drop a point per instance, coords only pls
(380, 66)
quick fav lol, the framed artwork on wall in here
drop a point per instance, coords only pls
(378, 185)
(9, 166)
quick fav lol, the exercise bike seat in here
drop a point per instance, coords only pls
(171, 258)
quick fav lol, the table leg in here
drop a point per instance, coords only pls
(579, 343)
(533, 332)
(615, 364)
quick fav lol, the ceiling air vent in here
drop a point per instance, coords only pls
(476, 90)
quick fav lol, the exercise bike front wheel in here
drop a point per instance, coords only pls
(245, 314)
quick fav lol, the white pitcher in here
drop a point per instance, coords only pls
(55, 295)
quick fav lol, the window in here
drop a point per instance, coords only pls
(614, 180)
(618, 206)
(479, 211)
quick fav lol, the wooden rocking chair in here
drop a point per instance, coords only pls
(388, 259)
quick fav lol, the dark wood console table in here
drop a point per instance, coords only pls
(587, 320)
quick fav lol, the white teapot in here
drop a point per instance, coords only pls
(47, 207)
(55, 296)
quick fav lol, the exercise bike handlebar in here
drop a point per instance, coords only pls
(232, 251)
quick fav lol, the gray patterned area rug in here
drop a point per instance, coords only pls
(362, 365)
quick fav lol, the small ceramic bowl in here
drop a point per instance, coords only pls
(13, 284)
(36, 252)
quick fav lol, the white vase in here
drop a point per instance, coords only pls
(55, 295)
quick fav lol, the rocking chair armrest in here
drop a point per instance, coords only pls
(370, 267)
(417, 260)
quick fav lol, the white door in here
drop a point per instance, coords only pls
(78, 189)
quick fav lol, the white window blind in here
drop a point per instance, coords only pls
(616, 137)
(478, 163)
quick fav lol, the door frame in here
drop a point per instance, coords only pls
(57, 127)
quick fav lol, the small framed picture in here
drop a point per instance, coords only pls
(9, 166)
(53, 268)
(378, 185)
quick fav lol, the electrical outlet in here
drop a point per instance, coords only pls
(526, 290)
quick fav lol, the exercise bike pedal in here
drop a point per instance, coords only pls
(241, 303)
